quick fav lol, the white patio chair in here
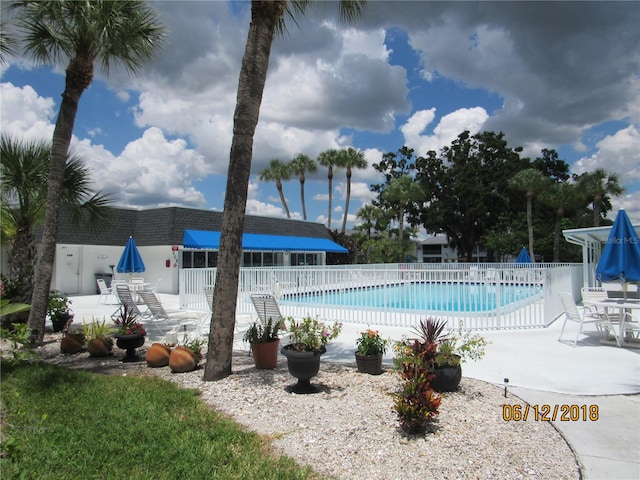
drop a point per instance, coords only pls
(588, 315)
(267, 308)
(105, 292)
(160, 316)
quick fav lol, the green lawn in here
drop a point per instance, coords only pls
(59, 423)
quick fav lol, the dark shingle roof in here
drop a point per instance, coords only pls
(166, 226)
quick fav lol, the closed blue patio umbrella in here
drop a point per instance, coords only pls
(130, 261)
(523, 256)
(620, 260)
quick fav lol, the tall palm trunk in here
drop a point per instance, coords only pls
(330, 177)
(304, 207)
(530, 225)
(78, 77)
(282, 199)
(346, 203)
(253, 74)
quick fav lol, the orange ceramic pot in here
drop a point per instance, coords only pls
(182, 360)
(72, 343)
(158, 355)
(98, 347)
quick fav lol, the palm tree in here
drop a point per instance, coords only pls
(124, 32)
(399, 193)
(561, 197)
(300, 165)
(531, 182)
(24, 167)
(267, 18)
(598, 185)
(350, 158)
(329, 158)
(8, 43)
(277, 171)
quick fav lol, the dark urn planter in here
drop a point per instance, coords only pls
(304, 366)
(130, 343)
(447, 378)
(60, 322)
(265, 354)
(371, 364)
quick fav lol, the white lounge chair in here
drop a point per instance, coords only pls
(161, 316)
(267, 308)
(126, 299)
(588, 315)
(240, 327)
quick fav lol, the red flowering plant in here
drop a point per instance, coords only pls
(127, 322)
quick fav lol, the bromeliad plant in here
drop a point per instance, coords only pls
(310, 334)
(452, 349)
(371, 343)
(127, 322)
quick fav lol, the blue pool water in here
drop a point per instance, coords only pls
(448, 297)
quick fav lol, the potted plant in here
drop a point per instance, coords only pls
(451, 351)
(98, 338)
(71, 342)
(371, 348)
(309, 339)
(130, 333)
(187, 356)
(59, 311)
(264, 342)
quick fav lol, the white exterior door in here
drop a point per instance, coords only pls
(69, 270)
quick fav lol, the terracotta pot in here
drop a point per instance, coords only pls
(72, 343)
(371, 364)
(99, 347)
(182, 360)
(158, 355)
(265, 355)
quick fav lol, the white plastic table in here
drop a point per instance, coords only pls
(625, 309)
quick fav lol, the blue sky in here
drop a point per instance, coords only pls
(408, 73)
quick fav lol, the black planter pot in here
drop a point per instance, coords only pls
(130, 343)
(303, 366)
(58, 323)
(447, 378)
(371, 364)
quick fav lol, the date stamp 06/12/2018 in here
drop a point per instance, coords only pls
(550, 413)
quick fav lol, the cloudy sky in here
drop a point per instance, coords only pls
(564, 76)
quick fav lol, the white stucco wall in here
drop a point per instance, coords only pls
(76, 265)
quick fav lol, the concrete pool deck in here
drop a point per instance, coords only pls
(541, 370)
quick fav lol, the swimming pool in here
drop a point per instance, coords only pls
(437, 297)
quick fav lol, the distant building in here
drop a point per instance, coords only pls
(172, 238)
(436, 249)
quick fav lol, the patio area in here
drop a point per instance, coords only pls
(541, 370)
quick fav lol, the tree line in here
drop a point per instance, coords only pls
(480, 190)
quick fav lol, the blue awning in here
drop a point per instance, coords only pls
(252, 241)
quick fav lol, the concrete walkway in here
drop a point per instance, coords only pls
(542, 371)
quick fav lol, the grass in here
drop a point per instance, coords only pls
(59, 423)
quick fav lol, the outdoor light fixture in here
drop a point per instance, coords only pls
(506, 384)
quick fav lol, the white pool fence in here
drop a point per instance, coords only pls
(537, 308)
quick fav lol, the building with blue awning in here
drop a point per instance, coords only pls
(175, 238)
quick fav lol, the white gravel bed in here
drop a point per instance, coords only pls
(349, 430)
